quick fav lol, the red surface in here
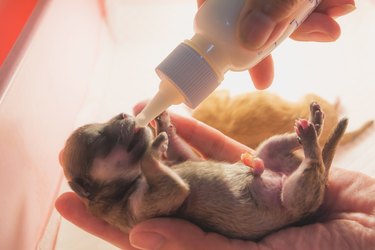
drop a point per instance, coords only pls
(13, 17)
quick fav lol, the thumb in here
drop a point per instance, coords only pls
(171, 234)
(263, 21)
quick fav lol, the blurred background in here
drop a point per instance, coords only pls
(65, 63)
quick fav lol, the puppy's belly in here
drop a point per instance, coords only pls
(228, 199)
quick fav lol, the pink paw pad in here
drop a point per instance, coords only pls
(301, 124)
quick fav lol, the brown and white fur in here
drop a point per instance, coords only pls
(126, 175)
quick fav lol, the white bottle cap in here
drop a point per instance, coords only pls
(186, 77)
(190, 73)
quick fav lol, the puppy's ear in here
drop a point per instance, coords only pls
(82, 187)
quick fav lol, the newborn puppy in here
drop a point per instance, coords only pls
(126, 175)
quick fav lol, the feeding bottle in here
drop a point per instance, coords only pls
(195, 68)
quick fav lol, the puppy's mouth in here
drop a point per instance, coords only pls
(136, 138)
(138, 144)
(139, 137)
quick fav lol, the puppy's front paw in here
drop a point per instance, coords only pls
(160, 146)
(163, 120)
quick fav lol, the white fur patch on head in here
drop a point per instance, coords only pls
(115, 165)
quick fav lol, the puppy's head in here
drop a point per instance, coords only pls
(100, 155)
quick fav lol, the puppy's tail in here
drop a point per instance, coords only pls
(329, 148)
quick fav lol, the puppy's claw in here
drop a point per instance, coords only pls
(299, 140)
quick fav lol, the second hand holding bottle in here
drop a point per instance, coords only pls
(197, 66)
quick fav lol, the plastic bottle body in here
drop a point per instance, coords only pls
(216, 27)
(216, 36)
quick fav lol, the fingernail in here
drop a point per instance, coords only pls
(147, 240)
(257, 28)
(341, 10)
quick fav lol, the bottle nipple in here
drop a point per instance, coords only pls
(167, 95)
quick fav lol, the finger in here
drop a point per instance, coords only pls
(336, 8)
(318, 27)
(72, 208)
(341, 10)
(210, 142)
(263, 73)
(262, 22)
(168, 234)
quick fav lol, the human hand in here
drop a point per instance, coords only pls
(272, 16)
(345, 220)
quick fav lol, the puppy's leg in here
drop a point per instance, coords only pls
(164, 191)
(278, 151)
(303, 190)
(329, 148)
(178, 150)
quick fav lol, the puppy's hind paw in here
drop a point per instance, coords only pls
(305, 130)
(316, 116)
